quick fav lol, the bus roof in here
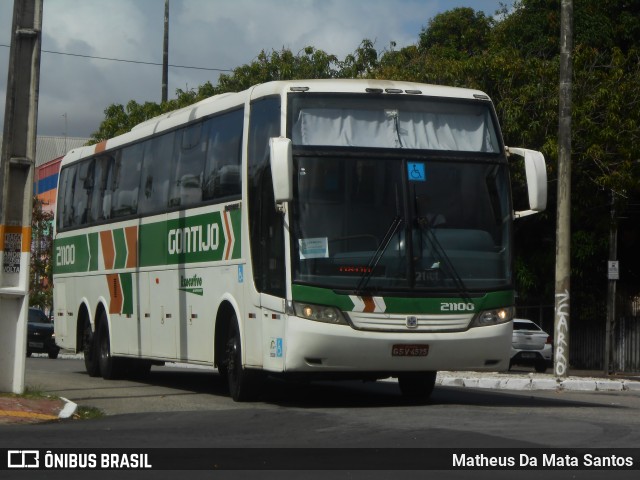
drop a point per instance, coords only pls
(228, 101)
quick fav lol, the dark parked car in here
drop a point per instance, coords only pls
(40, 336)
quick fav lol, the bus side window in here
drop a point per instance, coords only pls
(222, 168)
(102, 169)
(82, 192)
(190, 153)
(65, 194)
(126, 181)
(154, 182)
(266, 228)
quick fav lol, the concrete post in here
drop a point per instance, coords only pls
(16, 180)
(563, 228)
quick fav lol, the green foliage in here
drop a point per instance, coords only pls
(457, 33)
(40, 272)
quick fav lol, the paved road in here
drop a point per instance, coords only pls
(190, 408)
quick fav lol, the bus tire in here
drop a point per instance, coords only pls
(244, 384)
(417, 386)
(90, 351)
(110, 367)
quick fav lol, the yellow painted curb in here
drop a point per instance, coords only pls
(38, 416)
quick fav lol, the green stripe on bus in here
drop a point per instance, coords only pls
(94, 251)
(120, 244)
(200, 238)
(321, 296)
(400, 305)
(235, 224)
(71, 255)
(126, 281)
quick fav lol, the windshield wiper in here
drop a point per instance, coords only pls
(426, 225)
(377, 255)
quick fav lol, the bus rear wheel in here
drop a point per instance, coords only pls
(244, 384)
(417, 386)
(110, 367)
(90, 351)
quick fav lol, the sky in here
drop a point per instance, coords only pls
(215, 35)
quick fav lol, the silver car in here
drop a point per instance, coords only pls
(530, 346)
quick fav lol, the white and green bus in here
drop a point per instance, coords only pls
(316, 228)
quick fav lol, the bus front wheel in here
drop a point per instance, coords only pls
(244, 384)
(417, 386)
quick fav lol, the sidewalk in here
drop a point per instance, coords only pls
(19, 409)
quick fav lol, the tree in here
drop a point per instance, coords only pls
(40, 273)
(458, 33)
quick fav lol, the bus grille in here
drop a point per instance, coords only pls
(399, 323)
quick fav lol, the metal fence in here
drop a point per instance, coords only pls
(588, 335)
(626, 351)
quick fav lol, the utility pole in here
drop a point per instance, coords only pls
(563, 227)
(165, 53)
(612, 275)
(16, 180)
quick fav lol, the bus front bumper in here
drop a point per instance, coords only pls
(320, 347)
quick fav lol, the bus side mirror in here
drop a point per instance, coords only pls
(536, 172)
(281, 169)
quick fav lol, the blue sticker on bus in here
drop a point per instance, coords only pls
(240, 274)
(416, 172)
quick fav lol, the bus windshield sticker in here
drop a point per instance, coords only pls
(416, 172)
(314, 248)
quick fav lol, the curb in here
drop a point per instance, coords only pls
(534, 382)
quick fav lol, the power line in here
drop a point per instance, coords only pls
(140, 62)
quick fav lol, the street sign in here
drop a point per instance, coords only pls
(613, 272)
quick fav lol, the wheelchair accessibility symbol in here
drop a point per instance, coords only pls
(416, 172)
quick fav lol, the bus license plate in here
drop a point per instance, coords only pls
(410, 350)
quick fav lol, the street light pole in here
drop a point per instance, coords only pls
(165, 54)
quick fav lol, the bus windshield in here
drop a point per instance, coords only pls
(390, 224)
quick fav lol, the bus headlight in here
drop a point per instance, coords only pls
(493, 317)
(319, 313)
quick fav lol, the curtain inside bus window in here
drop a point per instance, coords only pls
(451, 127)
